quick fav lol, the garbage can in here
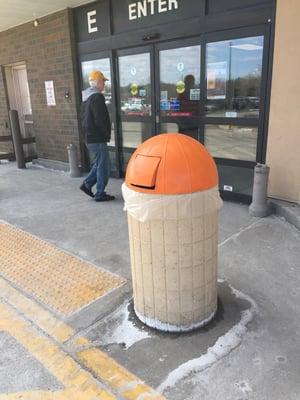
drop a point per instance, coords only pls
(172, 201)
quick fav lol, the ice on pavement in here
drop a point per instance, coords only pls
(224, 345)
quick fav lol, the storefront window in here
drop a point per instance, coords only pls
(233, 72)
(135, 84)
(233, 142)
(102, 65)
(180, 81)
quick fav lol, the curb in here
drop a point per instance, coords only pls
(287, 210)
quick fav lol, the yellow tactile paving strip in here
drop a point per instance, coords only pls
(62, 282)
(78, 383)
(20, 316)
(114, 376)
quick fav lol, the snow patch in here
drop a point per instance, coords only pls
(244, 387)
(122, 331)
(166, 327)
(223, 346)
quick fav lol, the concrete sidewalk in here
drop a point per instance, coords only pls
(251, 350)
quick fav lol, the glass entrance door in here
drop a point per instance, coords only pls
(178, 87)
(136, 98)
(102, 62)
(233, 110)
(210, 88)
(159, 92)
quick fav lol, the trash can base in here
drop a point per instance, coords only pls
(166, 327)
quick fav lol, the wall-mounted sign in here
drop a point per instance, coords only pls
(144, 8)
(50, 95)
(92, 21)
(136, 14)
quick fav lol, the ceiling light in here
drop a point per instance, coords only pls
(35, 21)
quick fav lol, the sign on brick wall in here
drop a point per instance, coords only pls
(50, 95)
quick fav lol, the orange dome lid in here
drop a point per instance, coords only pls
(171, 163)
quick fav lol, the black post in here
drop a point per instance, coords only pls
(17, 138)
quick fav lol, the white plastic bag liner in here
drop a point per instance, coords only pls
(145, 207)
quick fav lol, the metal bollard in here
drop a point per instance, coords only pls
(259, 206)
(17, 138)
(73, 161)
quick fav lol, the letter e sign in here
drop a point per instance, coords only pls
(92, 21)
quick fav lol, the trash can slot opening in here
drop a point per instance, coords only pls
(144, 171)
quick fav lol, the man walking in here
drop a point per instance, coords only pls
(96, 128)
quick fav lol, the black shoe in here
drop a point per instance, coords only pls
(86, 190)
(105, 197)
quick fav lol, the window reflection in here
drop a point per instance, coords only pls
(102, 65)
(234, 142)
(233, 72)
(135, 84)
(180, 81)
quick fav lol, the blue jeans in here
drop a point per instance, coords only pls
(100, 171)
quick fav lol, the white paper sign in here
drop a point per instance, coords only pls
(231, 114)
(164, 95)
(194, 94)
(49, 87)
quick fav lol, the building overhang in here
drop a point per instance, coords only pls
(18, 12)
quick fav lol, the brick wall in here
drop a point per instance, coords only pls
(48, 53)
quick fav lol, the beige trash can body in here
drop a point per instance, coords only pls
(173, 249)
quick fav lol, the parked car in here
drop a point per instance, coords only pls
(134, 105)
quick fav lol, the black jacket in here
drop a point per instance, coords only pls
(95, 119)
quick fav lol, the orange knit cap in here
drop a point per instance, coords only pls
(97, 76)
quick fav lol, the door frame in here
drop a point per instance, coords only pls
(202, 40)
(131, 118)
(105, 54)
(14, 98)
(169, 45)
(239, 33)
